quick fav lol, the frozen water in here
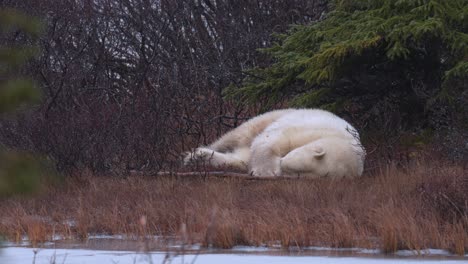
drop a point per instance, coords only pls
(21, 255)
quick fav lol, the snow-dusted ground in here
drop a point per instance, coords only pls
(103, 249)
(22, 255)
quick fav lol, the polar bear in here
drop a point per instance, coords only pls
(304, 142)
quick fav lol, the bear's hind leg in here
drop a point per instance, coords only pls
(237, 159)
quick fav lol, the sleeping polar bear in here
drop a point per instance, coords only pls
(303, 142)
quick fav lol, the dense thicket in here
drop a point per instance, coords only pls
(129, 84)
(390, 64)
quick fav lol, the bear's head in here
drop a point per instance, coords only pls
(327, 157)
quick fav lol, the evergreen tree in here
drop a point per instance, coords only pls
(19, 172)
(370, 58)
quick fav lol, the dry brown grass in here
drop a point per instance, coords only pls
(423, 205)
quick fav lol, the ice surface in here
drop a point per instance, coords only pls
(21, 255)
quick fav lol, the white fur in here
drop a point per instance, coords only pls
(308, 142)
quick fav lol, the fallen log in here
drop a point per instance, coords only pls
(220, 174)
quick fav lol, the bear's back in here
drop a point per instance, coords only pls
(315, 119)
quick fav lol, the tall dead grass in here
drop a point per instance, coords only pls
(422, 205)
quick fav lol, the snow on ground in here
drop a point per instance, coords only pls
(21, 255)
(123, 242)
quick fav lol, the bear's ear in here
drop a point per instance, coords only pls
(319, 152)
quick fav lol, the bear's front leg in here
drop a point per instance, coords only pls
(266, 157)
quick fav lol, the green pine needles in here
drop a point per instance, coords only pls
(19, 172)
(366, 51)
(15, 90)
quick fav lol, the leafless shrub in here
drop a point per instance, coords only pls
(130, 84)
